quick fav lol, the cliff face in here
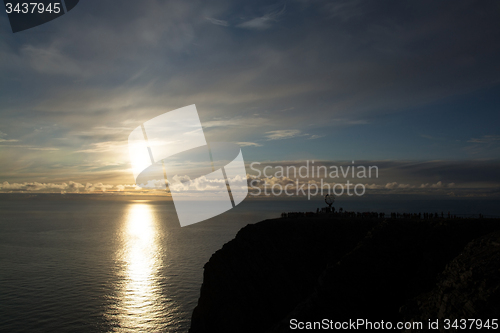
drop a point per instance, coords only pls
(469, 286)
(315, 268)
(258, 277)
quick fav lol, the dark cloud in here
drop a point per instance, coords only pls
(469, 174)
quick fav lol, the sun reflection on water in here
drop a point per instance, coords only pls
(139, 298)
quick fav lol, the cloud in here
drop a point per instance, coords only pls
(402, 175)
(345, 10)
(283, 134)
(28, 147)
(390, 186)
(217, 22)
(179, 184)
(261, 182)
(41, 187)
(439, 184)
(2, 134)
(222, 123)
(263, 22)
(258, 23)
(120, 188)
(289, 134)
(50, 60)
(103, 147)
(241, 122)
(67, 187)
(14, 186)
(486, 139)
(486, 144)
(94, 80)
(107, 130)
(43, 148)
(97, 187)
(249, 144)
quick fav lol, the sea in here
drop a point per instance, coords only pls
(95, 263)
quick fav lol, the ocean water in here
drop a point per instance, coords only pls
(85, 264)
(82, 265)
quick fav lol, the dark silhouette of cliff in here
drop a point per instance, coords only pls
(469, 286)
(311, 268)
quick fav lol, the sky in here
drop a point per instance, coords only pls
(412, 87)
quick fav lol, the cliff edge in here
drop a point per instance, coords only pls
(311, 268)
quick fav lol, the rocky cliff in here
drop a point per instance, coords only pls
(318, 267)
(468, 288)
